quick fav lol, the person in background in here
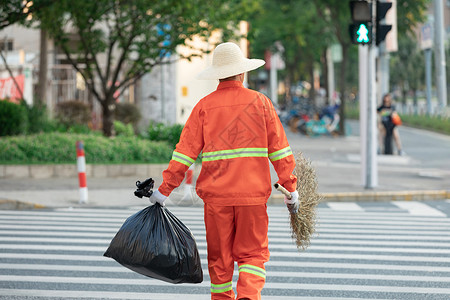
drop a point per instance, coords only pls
(237, 131)
(385, 112)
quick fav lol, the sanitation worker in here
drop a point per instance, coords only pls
(237, 131)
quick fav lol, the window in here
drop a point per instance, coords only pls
(6, 45)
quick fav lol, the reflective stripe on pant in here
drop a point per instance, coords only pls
(237, 233)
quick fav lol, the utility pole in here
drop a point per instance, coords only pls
(274, 78)
(371, 174)
(439, 54)
(368, 29)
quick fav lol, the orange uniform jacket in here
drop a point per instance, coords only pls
(238, 132)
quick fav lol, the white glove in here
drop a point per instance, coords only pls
(292, 204)
(157, 197)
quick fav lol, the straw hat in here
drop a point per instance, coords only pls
(227, 61)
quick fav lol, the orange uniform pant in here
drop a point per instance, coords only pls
(237, 233)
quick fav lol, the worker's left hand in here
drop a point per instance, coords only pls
(292, 204)
(157, 197)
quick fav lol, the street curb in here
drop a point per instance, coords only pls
(277, 199)
(421, 195)
(6, 204)
(43, 171)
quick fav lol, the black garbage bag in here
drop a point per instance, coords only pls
(155, 243)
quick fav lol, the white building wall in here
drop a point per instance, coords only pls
(189, 89)
(155, 95)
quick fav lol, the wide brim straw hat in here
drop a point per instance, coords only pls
(228, 60)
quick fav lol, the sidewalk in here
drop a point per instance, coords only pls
(423, 174)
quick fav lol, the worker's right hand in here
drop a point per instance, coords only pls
(293, 203)
(157, 197)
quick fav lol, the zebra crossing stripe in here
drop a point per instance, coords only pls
(356, 253)
(418, 208)
(272, 274)
(275, 226)
(281, 243)
(270, 264)
(113, 230)
(306, 255)
(276, 238)
(268, 285)
(345, 206)
(99, 295)
(133, 296)
(312, 248)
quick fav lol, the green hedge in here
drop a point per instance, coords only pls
(60, 148)
(433, 123)
(162, 132)
(13, 118)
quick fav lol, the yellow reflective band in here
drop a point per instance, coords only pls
(253, 270)
(280, 154)
(221, 288)
(234, 153)
(181, 158)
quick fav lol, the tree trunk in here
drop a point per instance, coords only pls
(312, 91)
(325, 76)
(43, 68)
(108, 116)
(342, 88)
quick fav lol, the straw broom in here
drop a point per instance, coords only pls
(303, 222)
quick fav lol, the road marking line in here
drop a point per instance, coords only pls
(202, 245)
(273, 263)
(133, 296)
(274, 227)
(272, 237)
(418, 208)
(268, 285)
(274, 242)
(202, 252)
(345, 206)
(294, 274)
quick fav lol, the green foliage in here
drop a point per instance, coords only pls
(38, 119)
(407, 65)
(296, 25)
(60, 148)
(71, 113)
(122, 129)
(13, 118)
(435, 123)
(13, 11)
(352, 111)
(132, 36)
(162, 132)
(127, 113)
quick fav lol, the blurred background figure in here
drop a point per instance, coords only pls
(388, 127)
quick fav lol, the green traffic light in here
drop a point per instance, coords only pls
(363, 34)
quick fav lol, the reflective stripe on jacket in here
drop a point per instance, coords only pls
(237, 131)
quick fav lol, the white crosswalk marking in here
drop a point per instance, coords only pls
(344, 206)
(357, 254)
(419, 209)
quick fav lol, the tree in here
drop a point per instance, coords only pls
(113, 43)
(337, 14)
(15, 11)
(295, 25)
(407, 67)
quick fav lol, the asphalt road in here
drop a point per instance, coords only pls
(389, 250)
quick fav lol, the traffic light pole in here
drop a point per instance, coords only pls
(441, 81)
(368, 89)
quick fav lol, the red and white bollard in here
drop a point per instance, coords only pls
(188, 184)
(81, 166)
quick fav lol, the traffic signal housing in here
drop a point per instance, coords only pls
(382, 29)
(361, 28)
